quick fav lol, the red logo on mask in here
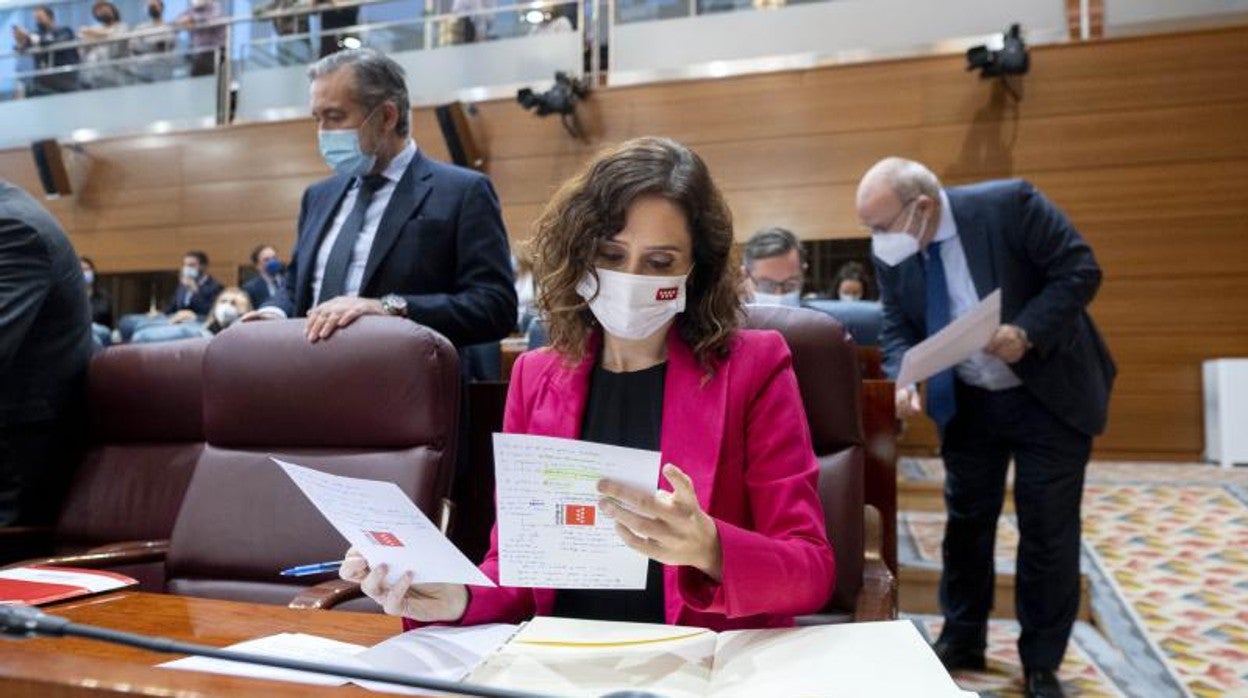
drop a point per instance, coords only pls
(666, 294)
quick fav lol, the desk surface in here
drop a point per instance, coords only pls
(63, 667)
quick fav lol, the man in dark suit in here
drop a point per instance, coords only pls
(270, 275)
(1038, 392)
(393, 231)
(197, 289)
(45, 344)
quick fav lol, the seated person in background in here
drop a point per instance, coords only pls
(196, 289)
(101, 303)
(231, 304)
(774, 265)
(634, 264)
(525, 289)
(851, 282)
(270, 275)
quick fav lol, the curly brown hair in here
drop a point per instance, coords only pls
(592, 206)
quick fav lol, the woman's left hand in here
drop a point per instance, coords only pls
(667, 526)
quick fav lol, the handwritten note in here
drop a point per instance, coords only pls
(550, 531)
(385, 526)
(956, 343)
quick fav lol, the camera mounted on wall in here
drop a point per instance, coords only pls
(560, 99)
(1010, 60)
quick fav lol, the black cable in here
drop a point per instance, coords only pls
(24, 621)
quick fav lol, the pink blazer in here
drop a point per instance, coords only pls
(743, 438)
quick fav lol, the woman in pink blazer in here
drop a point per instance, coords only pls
(639, 290)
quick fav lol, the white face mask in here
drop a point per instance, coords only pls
(190, 273)
(225, 314)
(849, 296)
(893, 248)
(792, 299)
(632, 306)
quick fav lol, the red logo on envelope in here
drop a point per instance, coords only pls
(578, 515)
(667, 294)
(385, 538)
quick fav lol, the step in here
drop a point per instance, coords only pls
(920, 593)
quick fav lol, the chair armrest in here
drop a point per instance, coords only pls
(326, 595)
(112, 555)
(877, 599)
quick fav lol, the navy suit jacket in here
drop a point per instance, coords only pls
(1017, 240)
(257, 290)
(200, 302)
(441, 245)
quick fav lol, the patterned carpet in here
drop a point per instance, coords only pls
(1166, 550)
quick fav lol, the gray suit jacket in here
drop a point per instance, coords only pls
(45, 319)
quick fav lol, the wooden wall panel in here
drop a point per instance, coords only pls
(1139, 140)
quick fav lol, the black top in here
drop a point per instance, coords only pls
(101, 308)
(624, 409)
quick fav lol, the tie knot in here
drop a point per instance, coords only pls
(371, 183)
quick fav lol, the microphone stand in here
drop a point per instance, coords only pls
(28, 621)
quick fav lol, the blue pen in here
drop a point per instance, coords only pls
(318, 568)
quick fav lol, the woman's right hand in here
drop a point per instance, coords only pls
(427, 603)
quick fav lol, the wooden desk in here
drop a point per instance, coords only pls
(70, 667)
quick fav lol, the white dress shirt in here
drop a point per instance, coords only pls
(983, 369)
(372, 219)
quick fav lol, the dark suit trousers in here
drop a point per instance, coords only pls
(36, 463)
(1050, 458)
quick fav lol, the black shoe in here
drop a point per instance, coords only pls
(955, 656)
(1041, 683)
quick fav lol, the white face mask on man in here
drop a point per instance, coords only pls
(632, 306)
(893, 248)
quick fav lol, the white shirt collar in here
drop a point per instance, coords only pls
(394, 171)
(946, 228)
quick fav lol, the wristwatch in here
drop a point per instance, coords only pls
(394, 304)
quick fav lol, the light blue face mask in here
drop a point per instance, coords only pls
(341, 150)
(792, 299)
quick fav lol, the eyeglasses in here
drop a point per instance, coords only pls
(789, 285)
(888, 228)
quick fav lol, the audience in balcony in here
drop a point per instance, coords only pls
(154, 41)
(333, 20)
(294, 47)
(43, 40)
(205, 36)
(107, 47)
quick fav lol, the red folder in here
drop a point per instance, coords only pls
(41, 584)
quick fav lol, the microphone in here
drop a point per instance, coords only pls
(27, 621)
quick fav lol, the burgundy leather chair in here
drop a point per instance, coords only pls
(379, 400)
(825, 361)
(145, 437)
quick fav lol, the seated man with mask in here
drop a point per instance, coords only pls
(774, 265)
